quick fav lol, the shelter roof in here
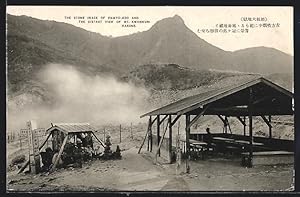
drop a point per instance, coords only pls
(72, 127)
(268, 99)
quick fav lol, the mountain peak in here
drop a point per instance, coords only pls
(178, 18)
(169, 23)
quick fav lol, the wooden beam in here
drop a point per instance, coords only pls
(154, 120)
(151, 123)
(221, 95)
(163, 119)
(196, 118)
(147, 133)
(261, 100)
(102, 144)
(143, 142)
(23, 167)
(227, 124)
(266, 121)
(283, 122)
(59, 154)
(236, 108)
(241, 120)
(175, 120)
(223, 120)
(43, 144)
(277, 87)
(256, 112)
(160, 143)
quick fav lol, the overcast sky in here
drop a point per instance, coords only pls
(194, 17)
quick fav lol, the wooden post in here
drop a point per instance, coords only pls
(187, 141)
(178, 128)
(43, 144)
(59, 153)
(148, 138)
(147, 133)
(158, 133)
(150, 133)
(227, 123)
(160, 143)
(170, 138)
(120, 133)
(27, 163)
(102, 143)
(270, 127)
(224, 124)
(34, 157)
(245, 126)
(250, 127)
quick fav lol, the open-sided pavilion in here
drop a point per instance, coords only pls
(259, 97)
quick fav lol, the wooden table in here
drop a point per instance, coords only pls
(247, 142)
(196, 142)
(200, 143)
(223, 139)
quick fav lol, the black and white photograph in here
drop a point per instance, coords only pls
(149, 98)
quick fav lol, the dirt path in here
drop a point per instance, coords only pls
(176, 184)
(227, 175)
(138, 172)
(133, 172)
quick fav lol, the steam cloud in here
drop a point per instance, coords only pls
(81, 98)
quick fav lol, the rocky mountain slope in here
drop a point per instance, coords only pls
(32, 43)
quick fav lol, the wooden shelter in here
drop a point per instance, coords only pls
(258, 97)
(61, 133)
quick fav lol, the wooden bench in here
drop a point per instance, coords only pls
(269, 158)
(232, 149)
(197, 149)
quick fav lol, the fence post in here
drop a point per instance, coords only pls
(120, 133)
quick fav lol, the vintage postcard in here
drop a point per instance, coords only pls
(165, 98)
